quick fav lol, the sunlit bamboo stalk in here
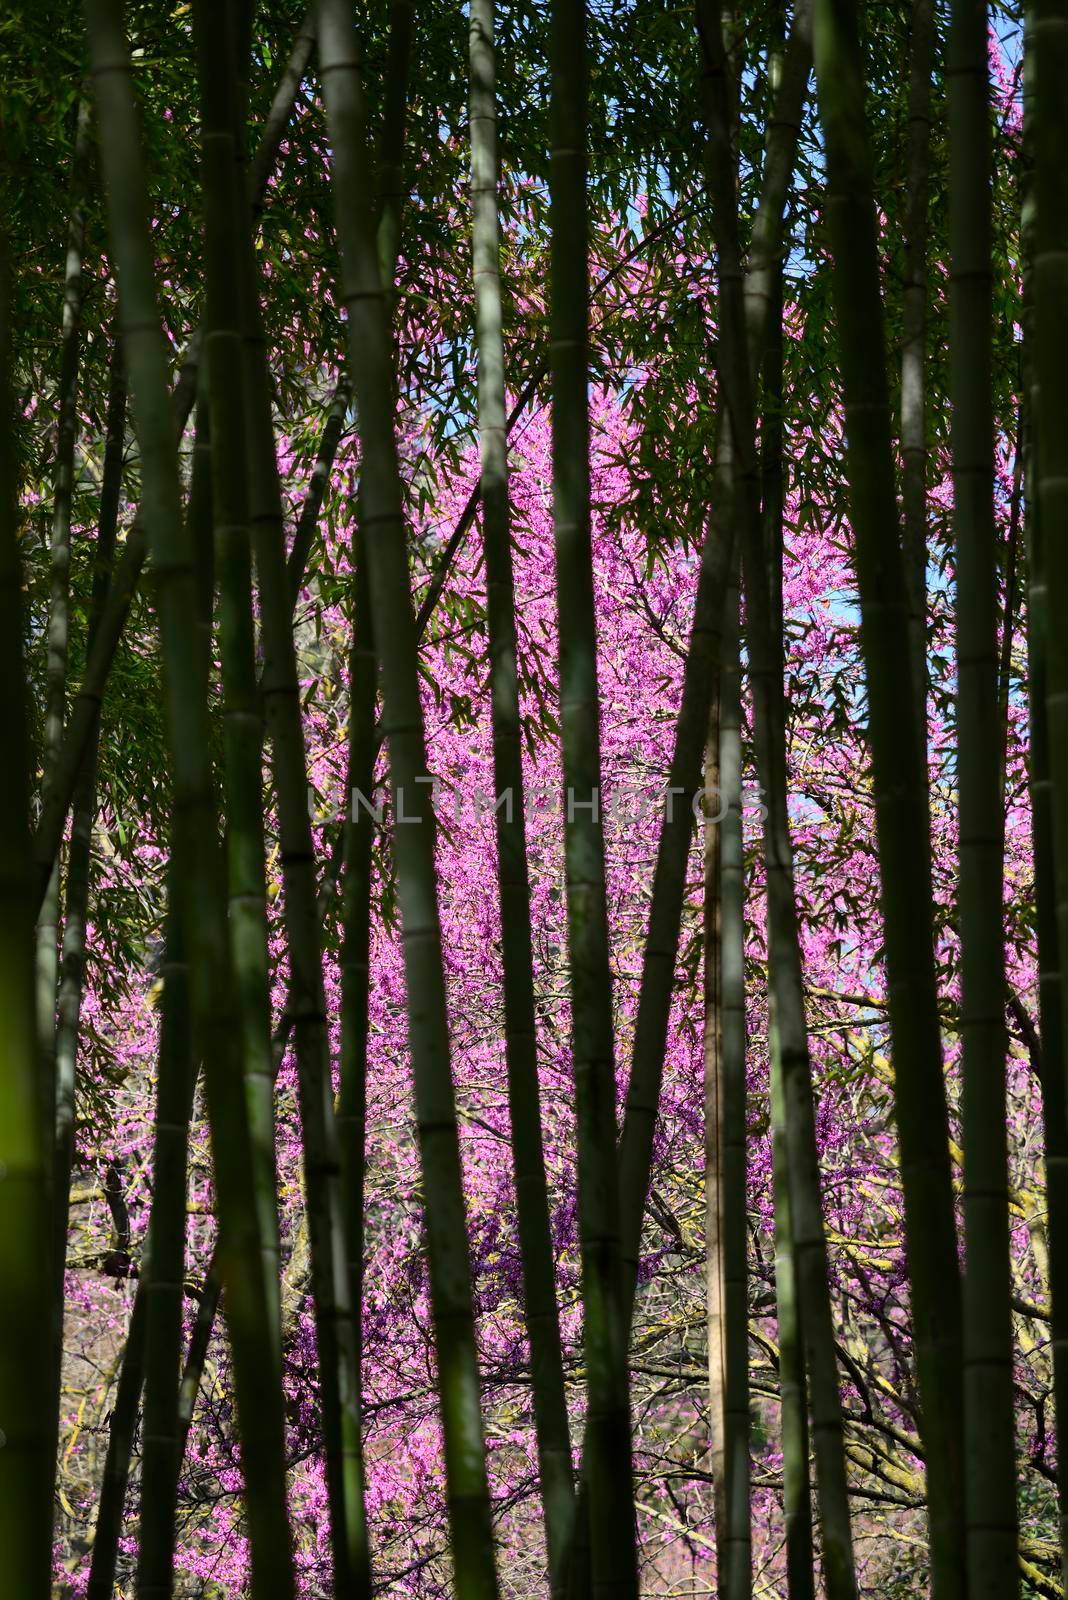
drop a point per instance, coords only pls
(785, 977)
(725, 1120)
(535, 1238)
(383, 523)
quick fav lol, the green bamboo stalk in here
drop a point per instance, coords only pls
(532, 1200)
(308, 521)
(216, 29)
(165, 1268)
(784, 948)
(163, 1433)
(110, 1508)
(725, 1121)
(57, 638)
(356, 947)
(989, 1443)
(793, 1389)
(79, 859)
(46, 955)
(358, 832)
(699, 678)
(608, 1466)
(85, 710)
(196, 1354)
(900, 787)
(27, 1343)
(389, 158)
(257, 1376)
(109, 1518)
(914, 339)
(383, 523)
(661, 945)
(335, 1330)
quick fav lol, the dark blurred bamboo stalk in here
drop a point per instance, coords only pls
(532, 1200)
(900, 786)
(914, 340)
(607, 1457)
(28, 1339)
(990, 1466)
(1050, 983)
(382, 520)
(257, 1375)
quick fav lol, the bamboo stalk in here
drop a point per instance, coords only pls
(308, 520)
(85, 709)
(989, 1443)
(57, 638)
(793, 1388)
(165, 1268)
(334, 1321)
(699, 679)
(532, 1201)
(27, 1364)
(383, 523)
(216, 29)
(784, 949)
(79, 860)
(257, 1377)
(196, 1354)
(913, 344)
(163, 1435)
(356, 950)
(358, 831)
(900, 786)
(110, 1508)
(725, 1121)
(1046, 120)
(1050, 985)
(661, 945)
(608, 1429)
